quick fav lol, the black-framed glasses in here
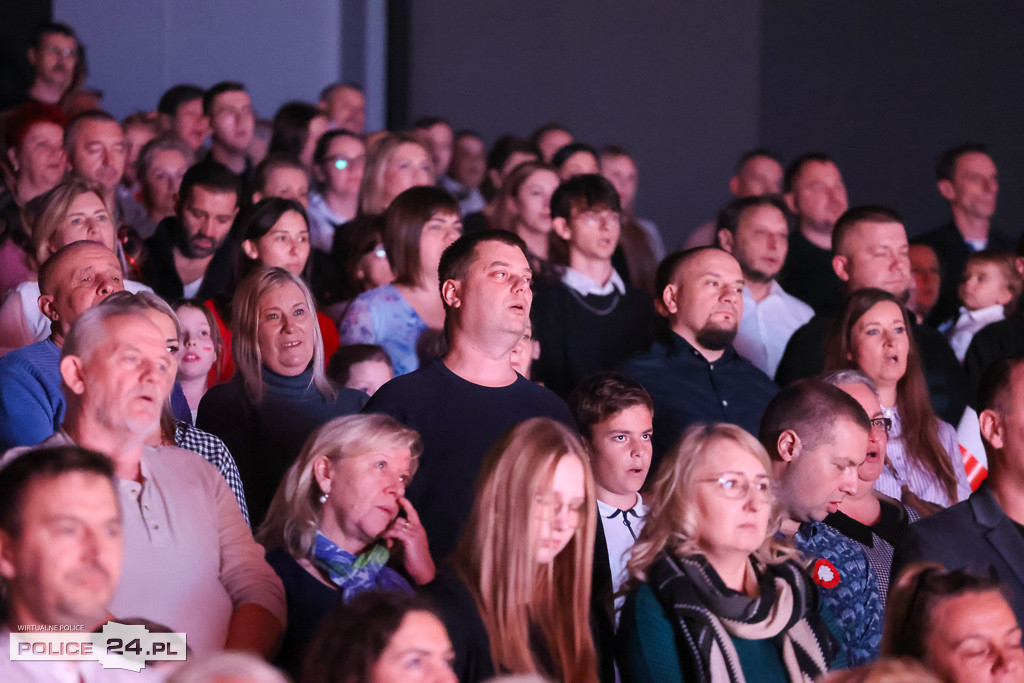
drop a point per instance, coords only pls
(737, 487)
(883, 423)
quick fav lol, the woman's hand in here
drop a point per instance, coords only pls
(413, 537)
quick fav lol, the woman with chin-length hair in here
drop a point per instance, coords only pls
(516, 596)
(714, 596)
(280, 392)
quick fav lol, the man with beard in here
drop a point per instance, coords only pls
(53, 55)
(756, 231)
(693, 373)
(189, 254)
(97, 151)
(870, 250)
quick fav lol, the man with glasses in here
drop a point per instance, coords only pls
(817, 438)
(986, 531)
(53, 56)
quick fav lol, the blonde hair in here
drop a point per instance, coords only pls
(671, 523)
(296, 512)
(54, 207)
(372, 198)
(246, 324)
(496, 555)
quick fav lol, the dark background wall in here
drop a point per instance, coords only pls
(676, 83)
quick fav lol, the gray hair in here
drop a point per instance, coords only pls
(164, 143)
(843, 378)
(223, 665)
(87, 333)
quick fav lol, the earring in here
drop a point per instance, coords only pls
(323, 499)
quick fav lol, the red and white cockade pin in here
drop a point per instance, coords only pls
(825, 573)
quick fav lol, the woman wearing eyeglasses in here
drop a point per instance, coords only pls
(338, 163)
(715, 596)
(517, 596)
(873, 334)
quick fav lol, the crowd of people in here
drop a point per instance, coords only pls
(399, 406)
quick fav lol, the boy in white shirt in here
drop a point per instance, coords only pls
(614, 415)
(990, 284)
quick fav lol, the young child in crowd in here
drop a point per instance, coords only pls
(365, 367)
(614, 415)
(201, 348)
(990, 286)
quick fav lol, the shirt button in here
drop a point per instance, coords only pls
(156, 526)
(725, 403)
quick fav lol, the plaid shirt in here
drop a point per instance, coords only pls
(216, 453)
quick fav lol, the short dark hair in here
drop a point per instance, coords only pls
(603, 395)
(506, 146)
(811, 408)
(945, 163)
(995, 384)
(729, 216)
(541, 131)
(291, 127)
(219, 89)
(754, 154)
(797, 165)
(461, 254)
(255, 222)
(582, 193)
(176, 96)
(425, 122)
(271, 163)
(78, 120)
(613, 151)
(915, 594)
(467, 133)
(211, 176)
(861, 214)
(44, 463)
(403, 227)
(324, 143)
(339, 367)
(351, 638)
(671, 264)
(44, 29)
(573, 148)
(346, 85)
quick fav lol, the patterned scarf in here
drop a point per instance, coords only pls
(709, 614)
(357, 574)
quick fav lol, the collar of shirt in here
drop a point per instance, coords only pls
(679, 346)
(607, 510)
(585, 286)
(987, 314)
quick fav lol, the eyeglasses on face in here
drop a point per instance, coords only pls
(551, 506)
(737, 487)
(883, 423)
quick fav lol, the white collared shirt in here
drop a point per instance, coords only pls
(586, 287)
(620, 542)
(967, 324)
(767, 325)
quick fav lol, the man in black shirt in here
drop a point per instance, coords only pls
(464, 402)
(870, 250)
(694, 374)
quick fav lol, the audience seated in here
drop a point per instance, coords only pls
(345, 105)
(715, 595)
(485, 286)
(550, 138)
(693, 372)
(333, 524)
(54, 55)
(77, 277)
(984, 530)
(365, 266)
(279, 393)
(927, 273)
(755, 230)
(365, 367)
(968, 179)
(182, 527)
(576, 158)
(870, 250)
(957, 624)
(872, 519)
(516, 598)
(381, 637)
(816, 194)
(620, 168)
(990, 287)
(139, 129)
(466, 172)
(505, 155)
(873, 334)
(437, 135)
(338, 162)
(297, 127)
(228, 108)
(817, 436)
(202, 351)
(418, 226)
(190, 253)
